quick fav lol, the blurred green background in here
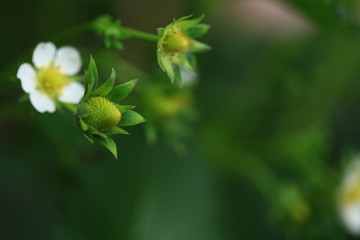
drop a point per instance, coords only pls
(277, 115)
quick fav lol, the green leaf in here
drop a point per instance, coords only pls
(160, 53)
(182, 61)
(88, 138)
(109, 144)
(91, 78)
(131, 118)
(117, 130)
(178, 75)
(196, 46)
(168, 67)
(93, 131)
(185, 24)
(160, 32)
(104, 89)
(191, 59)
(102, 135)
(159, 57)
(124, 108)
(82, 110)
(121, 91)
(83, 125)
(197, 30)
(185, 17)
(182, 19)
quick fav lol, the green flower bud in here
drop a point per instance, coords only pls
(103, 114)
(176, 44)
(175, 41)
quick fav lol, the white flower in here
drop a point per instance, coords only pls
(350, 197)
(50, 80)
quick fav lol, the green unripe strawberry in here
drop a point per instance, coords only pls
(103, 114)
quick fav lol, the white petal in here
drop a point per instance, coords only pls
(351, 218)
(43, 54)
(188, 78)
(42, 102)
(27, 76)
(72, 93)
(69, 60)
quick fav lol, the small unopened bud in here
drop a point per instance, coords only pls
(103, 114)
(175, 41)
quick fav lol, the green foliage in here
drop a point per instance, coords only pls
(196, 46)
(91, 78)
(124, 108)
(105, 89)
(197, 31)
(109, 144)
(117, 130)
(131, 118)
(121, 91)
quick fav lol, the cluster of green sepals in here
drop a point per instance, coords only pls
(99, 113)
(110, 31)
(176, 45)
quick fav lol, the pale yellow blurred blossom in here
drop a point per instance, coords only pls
(349, 199)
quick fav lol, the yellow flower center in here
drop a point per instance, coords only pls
(51, 81)
(175, 41)
(352, 193)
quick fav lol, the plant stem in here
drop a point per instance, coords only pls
(70, 107)
(139, 34)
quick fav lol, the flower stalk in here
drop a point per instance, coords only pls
(133, 33)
